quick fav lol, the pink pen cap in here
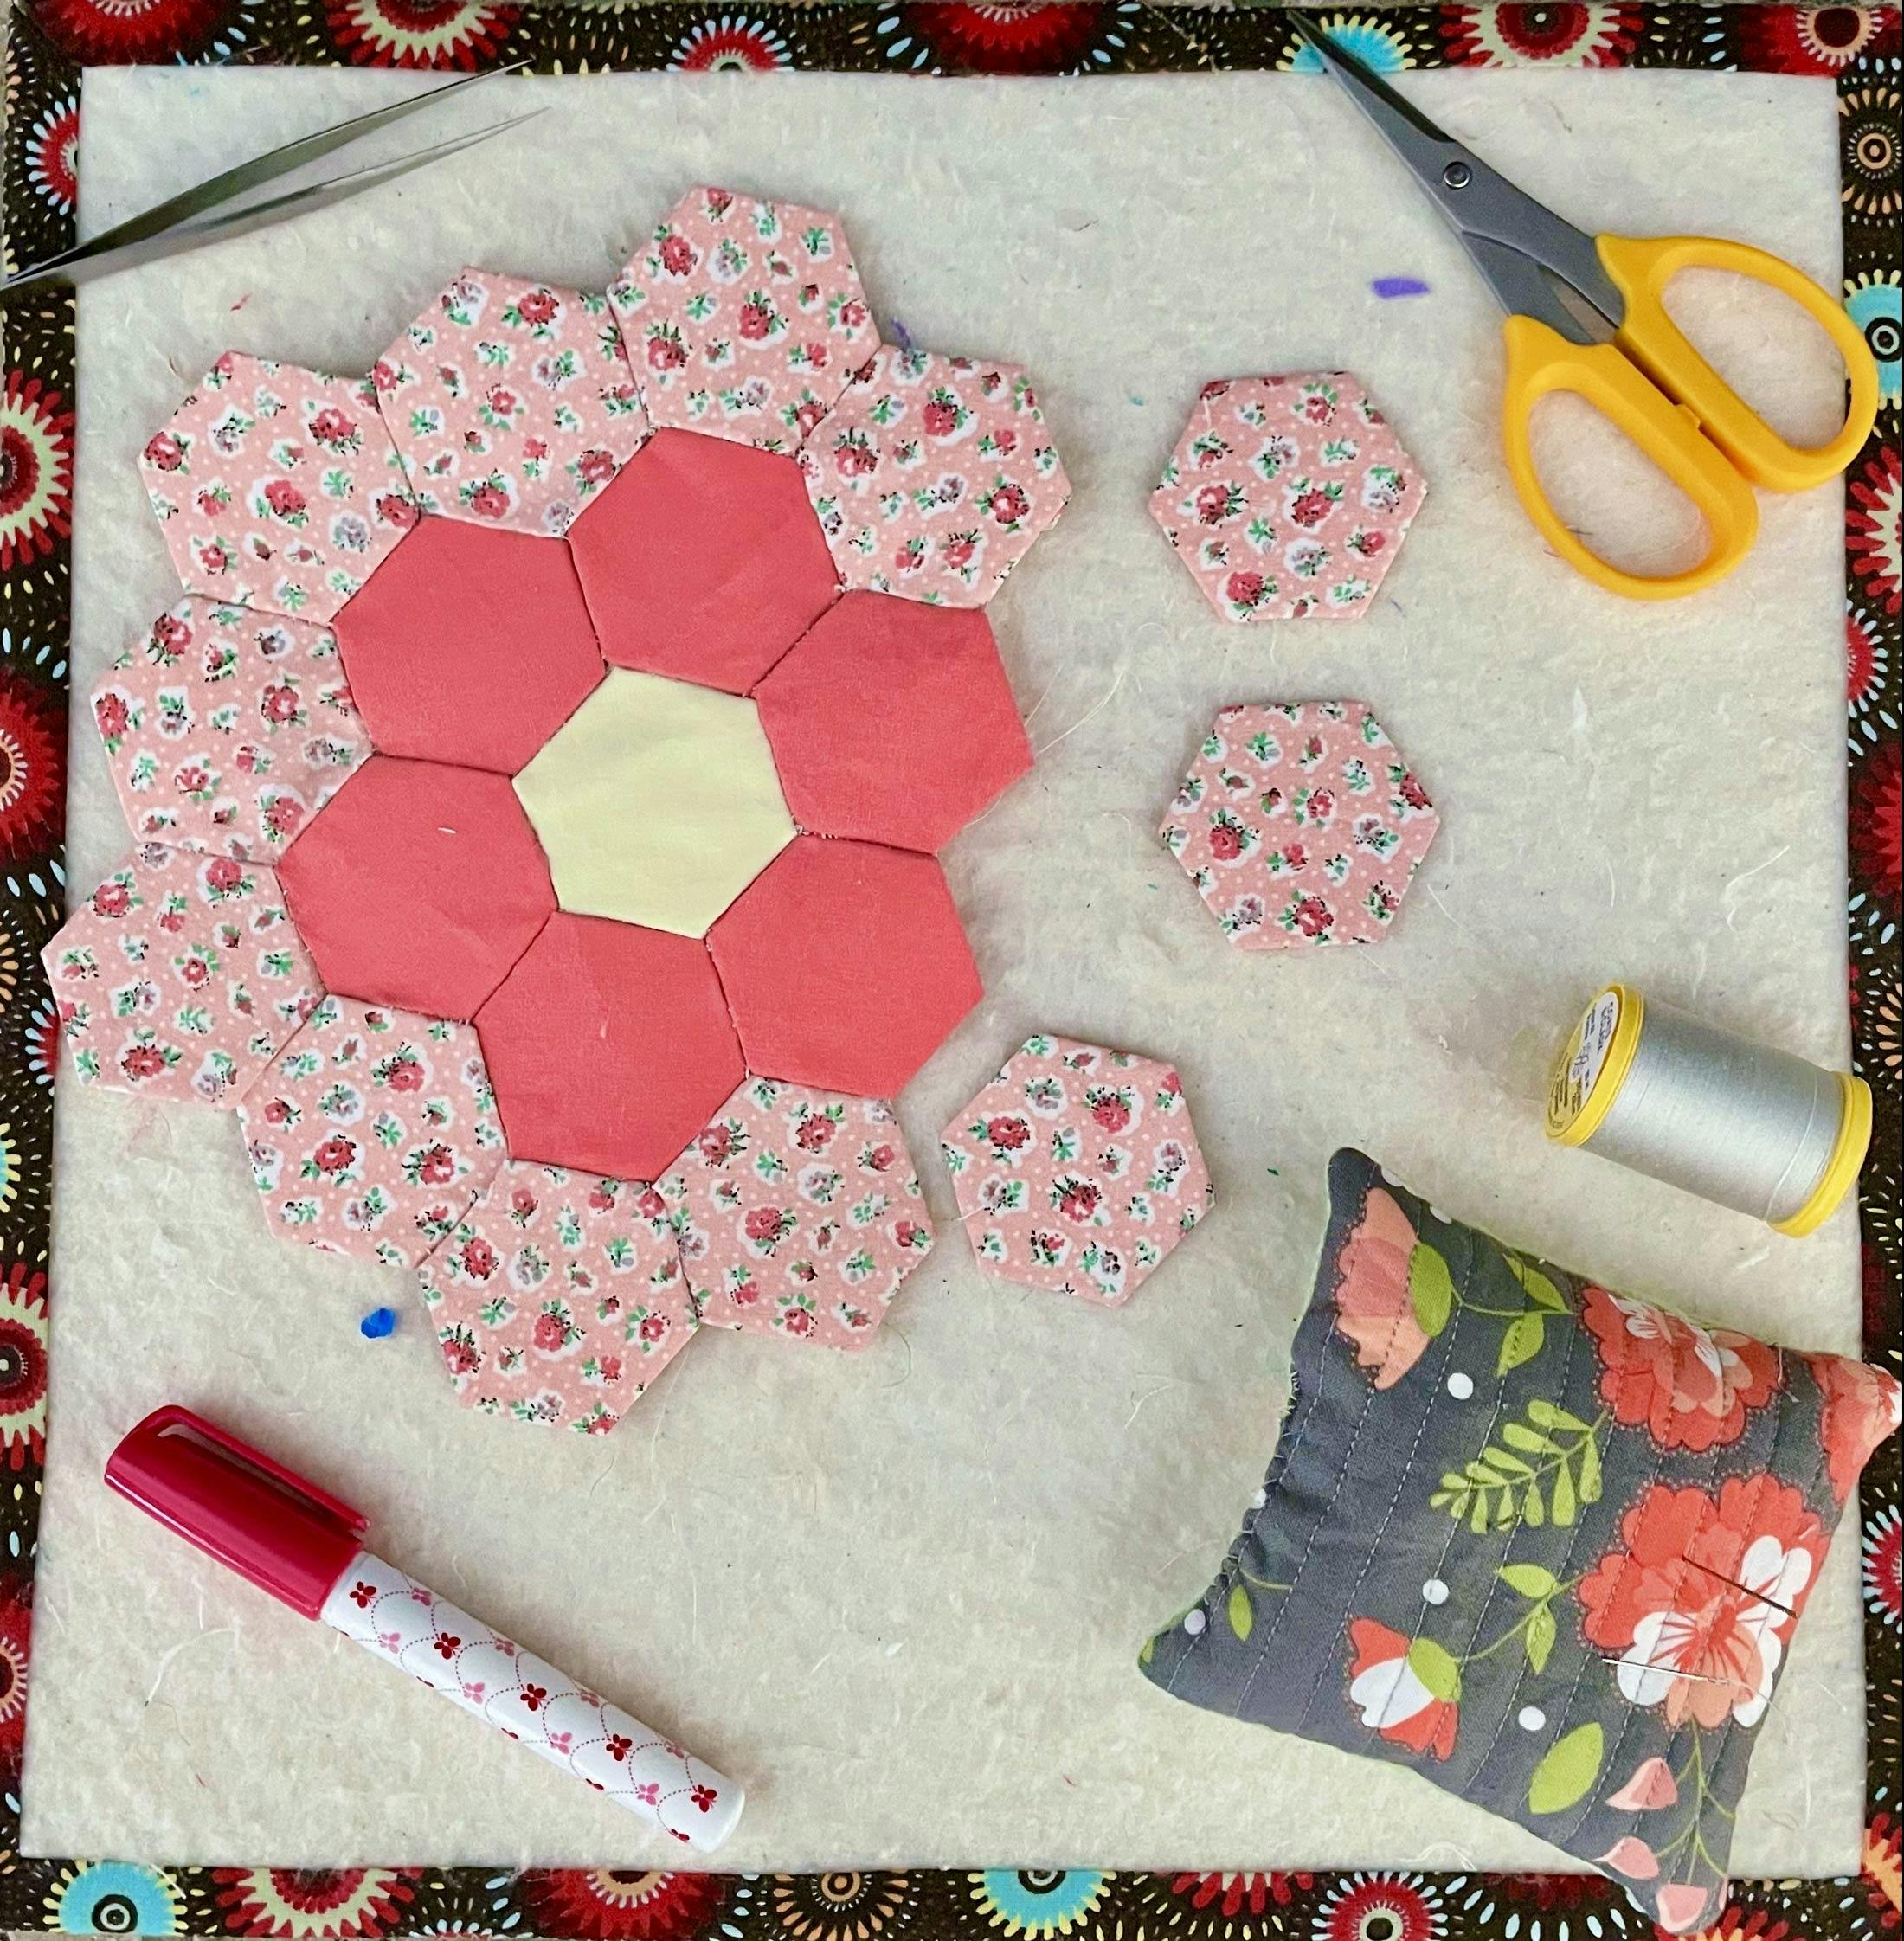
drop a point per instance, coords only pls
(255, 1516)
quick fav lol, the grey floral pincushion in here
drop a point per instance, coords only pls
(1544, 1543)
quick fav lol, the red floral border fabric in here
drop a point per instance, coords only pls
(1857, 46)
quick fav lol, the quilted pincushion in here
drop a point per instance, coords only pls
(1545, 1543)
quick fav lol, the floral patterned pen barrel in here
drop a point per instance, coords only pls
(306, 1549)
(1733, 1121)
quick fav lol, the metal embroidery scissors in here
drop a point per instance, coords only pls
(1613, 343)
(253, 195)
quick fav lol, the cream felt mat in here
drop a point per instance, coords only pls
(900, 1596)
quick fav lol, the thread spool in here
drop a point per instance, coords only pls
(1733, 1121)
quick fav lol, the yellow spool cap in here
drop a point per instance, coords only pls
(1593, 1064)
(1847, 1158)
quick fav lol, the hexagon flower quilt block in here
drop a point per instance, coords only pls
(1300, 824)
(510, 403)
(277, 487)
(226, 729)
(1288, 496)
(1078, 1169)
(558, 1296)
(180, 977)
(933, 475)
(744, 316)
(372, 1131)
(799, 1213)
(527, 665)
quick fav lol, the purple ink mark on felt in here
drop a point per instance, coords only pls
(1399, 286)
(902, 335)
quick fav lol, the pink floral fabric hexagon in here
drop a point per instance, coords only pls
(934, 476)
(645, 460)
(558, 1296)
(746, 317)
(180, 977)
(228, 728)
(371, 1131)
(1288, 498)
(1078, 1169)
(277, 487)
(799, 1214)
(510, 403)
(1300, 824)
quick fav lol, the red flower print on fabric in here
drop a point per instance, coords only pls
(1859, 1408)
(1697, 1601)
(1407, 1690)
(1373, 1305)
(1690, 1387)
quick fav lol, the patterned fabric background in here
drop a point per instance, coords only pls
(1860, 47)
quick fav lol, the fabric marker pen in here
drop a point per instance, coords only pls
(305, 1548)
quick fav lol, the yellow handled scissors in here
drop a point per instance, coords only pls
(1614, 345)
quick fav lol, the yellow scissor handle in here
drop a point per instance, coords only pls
(1541, 362)
(1642, 267)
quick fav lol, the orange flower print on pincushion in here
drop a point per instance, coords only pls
(1692, 1388)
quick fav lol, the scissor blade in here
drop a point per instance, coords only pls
(208, 199)
(1482, 208)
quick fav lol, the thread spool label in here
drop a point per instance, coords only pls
(1578, 1072)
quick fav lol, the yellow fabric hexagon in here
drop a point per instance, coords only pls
(656, 802)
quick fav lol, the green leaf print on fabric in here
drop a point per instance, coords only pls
(1540, 1471)
(1571, 1764)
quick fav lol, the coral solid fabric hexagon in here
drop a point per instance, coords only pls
(657, 804)
(225, 728)
(744, 318)
(846, 966)
(932, 476)
(893, 721)
(610, 1045)
(703, 560)
(799, 1213)
(472, 646)
(371, 1131)
(1288, 496)
(418, 886)
(558, 1297)
(510, 402)
(180, 977)
(1077, 1169)
(277, 487)
(1300, 824)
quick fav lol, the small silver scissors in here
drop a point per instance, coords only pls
(253, 195)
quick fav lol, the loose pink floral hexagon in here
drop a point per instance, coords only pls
(933, 475)
(799, 1214)
(226, 728)
(1078, 1169)
(558, 1296)
(743, 318)
(510, 403)
(277, 487)
(372, 1131)
(1288, 496)
(1300, 824)
(180, 977)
